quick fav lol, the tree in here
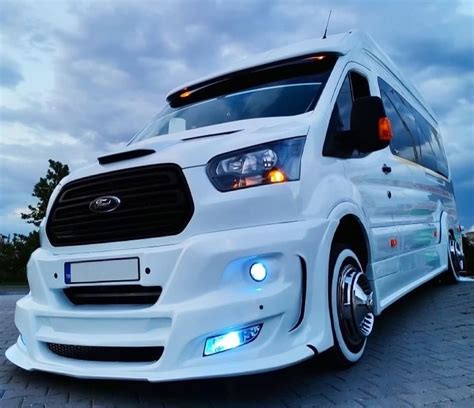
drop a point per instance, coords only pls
(43, 190)
(14, 255)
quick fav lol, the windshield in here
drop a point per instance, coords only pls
(284, 90)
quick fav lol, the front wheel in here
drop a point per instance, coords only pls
(351, 306)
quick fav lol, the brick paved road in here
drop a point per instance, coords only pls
(422, 353)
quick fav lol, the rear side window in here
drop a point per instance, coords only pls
(414, 138)
(428, 157)
(439, 152)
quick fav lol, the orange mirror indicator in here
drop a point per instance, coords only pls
(385, 130)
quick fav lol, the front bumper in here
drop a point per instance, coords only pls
(206, 289)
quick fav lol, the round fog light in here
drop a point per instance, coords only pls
(258, 272)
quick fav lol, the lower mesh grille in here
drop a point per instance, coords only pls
(113, 295)
(117, 354)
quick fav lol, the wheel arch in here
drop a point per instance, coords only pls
(445, 228)
(352, 230)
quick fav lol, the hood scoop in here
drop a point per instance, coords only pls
(131, 154)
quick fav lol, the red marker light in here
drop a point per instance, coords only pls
(393, 242)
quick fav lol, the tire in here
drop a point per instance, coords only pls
(350, 306)
(455, 261)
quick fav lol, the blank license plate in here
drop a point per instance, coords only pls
(108, 270)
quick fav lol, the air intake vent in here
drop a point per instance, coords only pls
(113, 295)
(149, 201)
(132, 154)
(117, 354)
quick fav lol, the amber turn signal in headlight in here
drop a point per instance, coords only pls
(273, 162)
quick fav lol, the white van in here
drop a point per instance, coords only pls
(264, 216)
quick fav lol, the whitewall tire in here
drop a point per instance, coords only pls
(351, 306)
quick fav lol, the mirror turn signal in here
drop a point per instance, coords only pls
(385, 129)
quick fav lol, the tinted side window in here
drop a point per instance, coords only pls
(402, 144)
(409, 117)
(342, 108)
(413, 137)
(360, 85)
(440, 153)
(428, 156)
(353, 87)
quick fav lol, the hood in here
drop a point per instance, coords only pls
(197, 146)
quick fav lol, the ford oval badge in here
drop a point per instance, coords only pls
(105, 204)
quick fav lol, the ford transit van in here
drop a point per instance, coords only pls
(267, 214)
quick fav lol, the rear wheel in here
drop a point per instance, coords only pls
(455, 260)
(351, 306)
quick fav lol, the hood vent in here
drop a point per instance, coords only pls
(131, 154)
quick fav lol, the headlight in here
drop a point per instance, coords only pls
(273, 162)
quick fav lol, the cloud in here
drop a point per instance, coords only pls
(10, 74)
(465, 7)
(90, 74)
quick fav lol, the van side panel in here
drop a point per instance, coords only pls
(432, 261)
(423, 220)
(421, 201)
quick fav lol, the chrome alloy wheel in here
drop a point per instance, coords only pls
(456, 258)
(355, 306)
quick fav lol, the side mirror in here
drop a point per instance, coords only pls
(370, 128)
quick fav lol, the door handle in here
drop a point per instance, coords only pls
(386, 169)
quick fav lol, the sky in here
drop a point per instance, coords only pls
(77, 78)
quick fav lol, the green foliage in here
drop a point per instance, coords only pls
(43, 190)
(14, 255)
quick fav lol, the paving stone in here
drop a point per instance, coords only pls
(424, 398)
(11, 403)
(459, 393)
(420, 354)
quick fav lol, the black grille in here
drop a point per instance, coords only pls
(113, 295)
(155, 201)
(117, 354)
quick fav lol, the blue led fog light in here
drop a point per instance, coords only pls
(231, 340)
(258, 271)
